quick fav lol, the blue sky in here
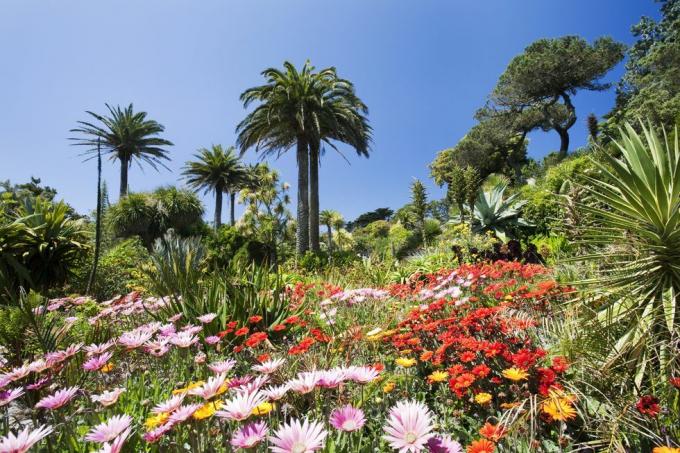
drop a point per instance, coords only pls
(423, 67)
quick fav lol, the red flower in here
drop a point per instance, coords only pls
(255, 339)
(675, 382)
(648, 405)
(492, 432)
(263, 357)
(467, 356)
(238, 349)
(278, 328)
(255, 319)
(481, 371)
(560, 364)
(242, 331)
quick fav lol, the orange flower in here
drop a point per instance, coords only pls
(481, 446)
(242, 331)
(425, 356)
(492, 432)
(255, 319)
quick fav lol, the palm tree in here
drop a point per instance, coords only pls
(216, 170)
(332, 219)
(300, 108)
(342, 120)
(126, 136)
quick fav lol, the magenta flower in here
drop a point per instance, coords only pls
(212, 339)
(239, 381)
(296, 437)
(182, 413)
(95, 349)
(222, 367)
(241, 406)
(154, 435)
(40, 383)
(6, 396)
(175, 318)
(96, 362)
(57, 399)
(347, 418)
(409, 426)
(250, 435)
(22, 442)
(107, 398)
(443, 444)
(207, 318)
(110, 429)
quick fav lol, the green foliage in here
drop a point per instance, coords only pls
(370, 217)
(497, 213)
(419, 205)
(229, 244)
(635, 232)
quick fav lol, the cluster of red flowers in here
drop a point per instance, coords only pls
(476, 343)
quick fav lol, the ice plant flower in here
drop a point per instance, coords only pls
(296, 437)
(183, 339)
(107, 397)
(182, 413)
(648, 405)
(263, 408)
(481, 446)
(95, 349)
(57, 399)
(558, 408)
(169, 405)
(331, 378)
(110, 429)
(241, 406)
(134, 339)
(347, 418)
(249, 435)
(207, 318)
(275, 393)
(97, 362)
(6, 396)
(515, 374)
(117, 445)
(409, 426)
(492, 432)
(207, 410)
(23, 441)
(212, 339)
(188, 387)
(361, 374)
(437, 376)
(304, 382)
(213, 387)
(269, 366)
(443, 444)
(223, 366)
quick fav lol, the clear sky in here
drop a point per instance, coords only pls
(423, 67)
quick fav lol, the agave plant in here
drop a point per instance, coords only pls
(634, 233)
(494, 213)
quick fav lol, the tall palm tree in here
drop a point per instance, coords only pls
(343, 120)
(295, 108)
(217, 170)
(332, 219)
(127, 137)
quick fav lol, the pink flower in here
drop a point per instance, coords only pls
(200, 358)
(296, 437)
(254, 385)
(347, 418)
(22, 442)
(331, 378)
(443, 444)
(275, 393)
(38, 366)
(96, 362)
(213, 387)
(167, 329)
(39, 384)
(222, 367)
(110, 429)
(95, 349)
(409, 426)
(57, 399)
(239, 381)
(207, 318)
(241, 406)
(169, 405)
(135, 338)
(183, 339)
(269, 366)
(107, 398)
(304, 382)
(157, 348)
(175, 318)
(250, 435)
(117, 445)
(361, 374)
(7, 396)
(182, 413)
(212, 339)
(154, 435)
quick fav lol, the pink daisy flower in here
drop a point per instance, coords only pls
(23, 441)
(347, 418)
(110, 429)
(37, 385)
(443, 444)
(7, 396)
(212, 339)
(169, 405)
(275, 393)
(182, 413)
(117, 445)
(167, 329)
(304, 382)
(254, 385)
(250, 435)
(296, 437)
(95, 349)
(361, 374)
(239, 381)
(207, 318)
(331, 378)
(38, 366)
(409, 426)
(175, 318)
(134, 339)
(211, 387)
(96, 362)
(108, 397)
(183, 339)
(269, 366)
(155, 434)
(241, 406)
(223, 366)
(157, 348)
(57, 399)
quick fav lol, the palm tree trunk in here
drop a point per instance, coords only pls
(218, 208)
(124, 167)
(98, 225)
(302, 237)
(232, 198)
(330, 239)
(314, 197)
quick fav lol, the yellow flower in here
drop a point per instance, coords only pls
(515, 374)
(156, 420)
(388, 387)
(192, 385)
(207, 410)
(438, 376)
(106, 368)
(263, 409)
(483, 398)
(559, 409)
(406, 362)
(664, 449)
(405, 352)
(508, 297)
